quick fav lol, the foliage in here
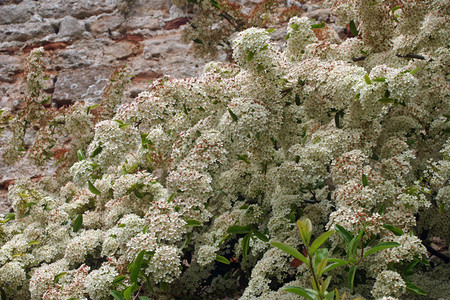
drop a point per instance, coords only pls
(182, 191)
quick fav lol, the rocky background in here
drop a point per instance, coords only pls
(85, 40)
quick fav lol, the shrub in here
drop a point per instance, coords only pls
(179, 194)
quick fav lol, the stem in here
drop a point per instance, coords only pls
(311, 267)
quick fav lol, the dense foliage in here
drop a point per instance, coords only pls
(193, 189)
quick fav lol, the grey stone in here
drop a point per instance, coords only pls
(176, 12)
(161, 46)
(9, 66)
(106, 24)
(143, 23)
(77, 8)
(72, 58)
(81, 85)
(19, 13)
(319, 14)
(119, 50)
(70, 27)
(26, 32)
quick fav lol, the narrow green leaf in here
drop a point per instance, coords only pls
(245, 244)
(134, 273)
(91, 107)
(387, 100)
(367, 79)
(215, 3)
(380, 247)
(353, 245)
(380, 79)
(171, 198)
(250, 55)
(80, 155)
(239, 229)
(335, 265)
(290, 250)
(344, 233)
(96, 151)
(260, 235)
(77, 223)
(58, 276)
(116, 294)
(222, 259)
(365, 182)
(294, 26)
(198, 41)
(319, 241)
(233, 116)
(93, 189)
(244, 158)
(33, 243)
(395, 8)
(119, 278)
(351, 277)
(316, 26)
(270, 30)
(414, 71)
(193, 223)
(415, 289)
(300, 291)
(353, 28)
(395, 230)
(127, 292)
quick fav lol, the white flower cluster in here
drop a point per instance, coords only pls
(389, 283)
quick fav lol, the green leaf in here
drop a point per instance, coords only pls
(387, 100)
(215, 3)
(77, 223)
(80, 155)
(351, 277)
(353, 28)
(380, 247)
(319, 241)
(244, 158)
(367, 79)
(91, 107)
(308, 294)
(250, 55)
(395, 8)
(58, 276)
(171, 198)
(138, 194)
(316, 26)
(380, 79)
(121, 225)
(93, 189)
(353, 245)
(365, 182)
(239, 229)
(305, 228)
(134, 273)
(395, 230)
(117, 295)
(119, 278)
(290, 250)
(270, 30)
(222, 259)
(294, 26)
(415, 289)
(33, 243)
(260, 235)
(335, 265)
(245, 244)
(414, 71)
(233, 116)
(96, 151)
(193, 223)
(198, 41)
(128, 291)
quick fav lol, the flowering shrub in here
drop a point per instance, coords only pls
(180, 192)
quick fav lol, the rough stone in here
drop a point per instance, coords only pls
(319, 14)
(120, 50)
(81, 84)
(107, 23)
(25, 32)
(70, 27)
(20, 13)
(143, 23)
(9, 66)
(77, 8)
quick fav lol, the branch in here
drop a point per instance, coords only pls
(434, 252)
